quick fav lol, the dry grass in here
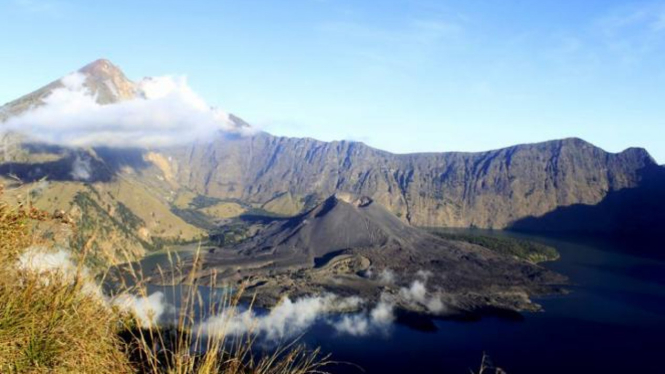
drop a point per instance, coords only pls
(183, 348)
(52, 325)
(49, 326)
(56, 328)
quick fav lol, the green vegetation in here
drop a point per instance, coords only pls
(260, 212)
(194, 218)
(230, 234)
(200, 202)
(95, 223)
(284, 204)
(524, 249)
(128, 217)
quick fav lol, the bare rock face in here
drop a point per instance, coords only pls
(487, 190)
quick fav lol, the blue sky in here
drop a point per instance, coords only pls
(405, 76)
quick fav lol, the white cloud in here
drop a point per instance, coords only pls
(650, 16)
(387, 276)
(167, 112)
(417, 293)
(146, 309)
(290, 318)
(633, 31)
(423, 274)
(383, 312)
(284, 320)
(41, 261)
(81, 169)
(354, 325)
(349, 303)
(58, 266)
(435, 305)
(378, 320)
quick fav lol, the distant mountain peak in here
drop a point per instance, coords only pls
(100, 63)
(101, 68)
(108, 82)
(103, 79)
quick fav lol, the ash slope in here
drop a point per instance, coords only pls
(348, 246)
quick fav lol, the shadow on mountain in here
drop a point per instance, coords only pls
(118, 158)
(44, 148)
(73, 167)
(638, 211)
(66, 164)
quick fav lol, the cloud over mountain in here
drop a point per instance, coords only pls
(164, 111)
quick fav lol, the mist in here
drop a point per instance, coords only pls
(51, 265)
(146, 309)
(59, 266)
(377, 320)
(417, 294)
(81, 168)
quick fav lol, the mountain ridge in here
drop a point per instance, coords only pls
(261, 167)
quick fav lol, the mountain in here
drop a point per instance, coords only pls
(147, 197)
(491, 189)
(338, 223)
(102, 78)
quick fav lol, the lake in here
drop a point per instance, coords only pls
(613, 321)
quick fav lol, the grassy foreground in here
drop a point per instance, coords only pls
(56, 320)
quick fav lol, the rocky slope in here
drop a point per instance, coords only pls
(488, 190)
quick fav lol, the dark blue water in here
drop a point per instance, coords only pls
(613, 321)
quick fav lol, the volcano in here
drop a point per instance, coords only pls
(344, 243)
(339, 223)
